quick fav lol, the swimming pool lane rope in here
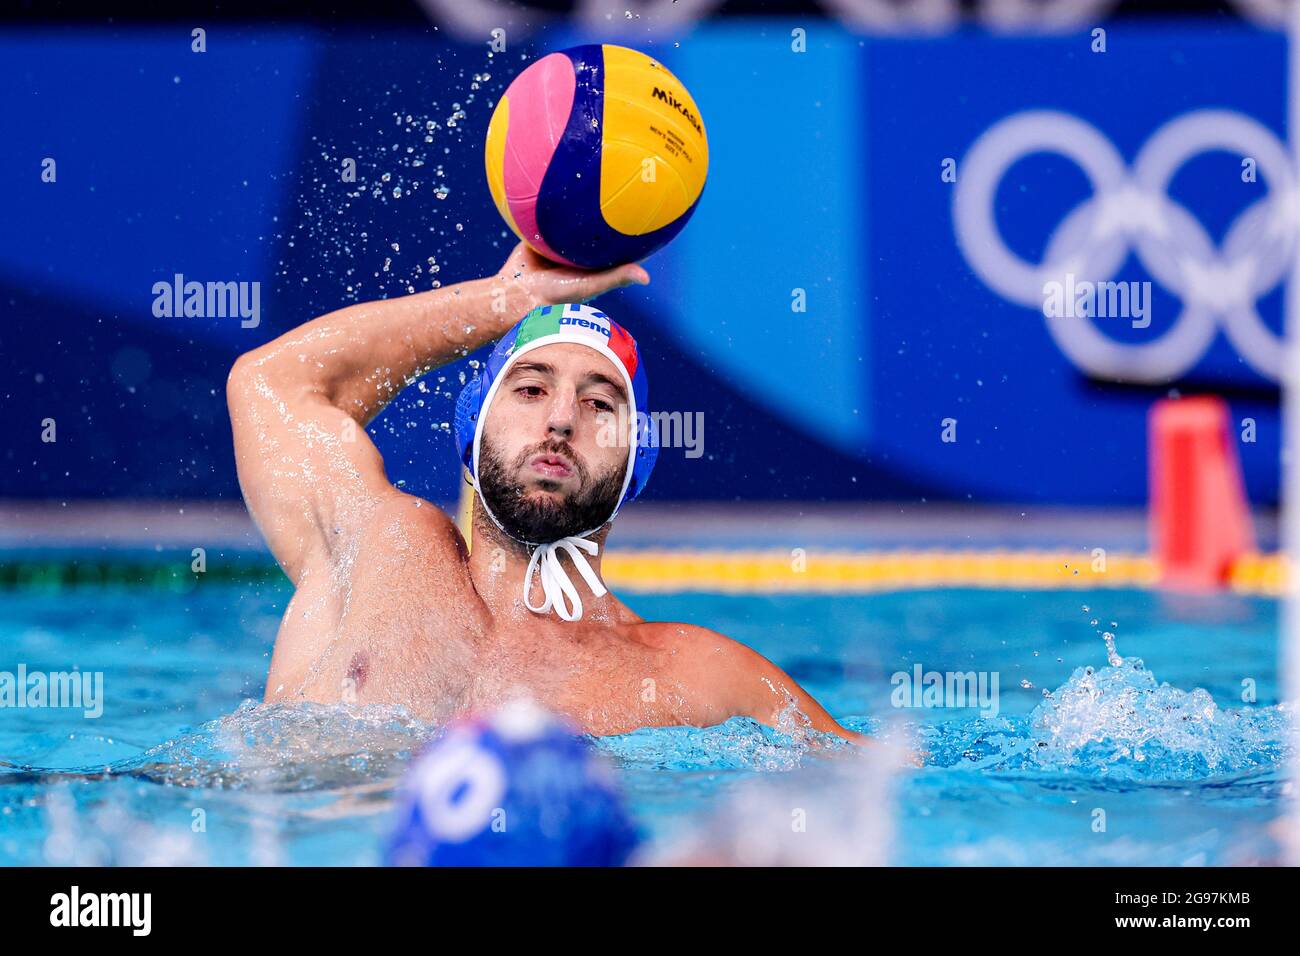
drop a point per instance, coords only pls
(698, 570)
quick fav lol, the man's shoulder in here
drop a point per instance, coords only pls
(410, 532)
(693, 644)
(411, 562)
(710, 671)
(398, 512)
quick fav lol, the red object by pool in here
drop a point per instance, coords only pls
(1200, 520)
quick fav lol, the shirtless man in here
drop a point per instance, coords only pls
(390, 605)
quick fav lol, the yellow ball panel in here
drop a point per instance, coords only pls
(494, 158)
(636, 207)
(648, 115)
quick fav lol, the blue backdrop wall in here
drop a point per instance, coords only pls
(826, 187)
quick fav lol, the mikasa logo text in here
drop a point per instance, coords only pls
(679, 107)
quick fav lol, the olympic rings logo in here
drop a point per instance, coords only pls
(1130, 210)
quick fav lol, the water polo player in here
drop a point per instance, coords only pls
(390, 605)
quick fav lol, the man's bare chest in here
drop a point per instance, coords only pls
(443, 662)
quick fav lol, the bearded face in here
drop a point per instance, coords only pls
(536, 509)
(547, 469)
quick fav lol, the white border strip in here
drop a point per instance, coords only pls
(1290, 530)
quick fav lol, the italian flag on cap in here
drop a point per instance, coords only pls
(579, 322)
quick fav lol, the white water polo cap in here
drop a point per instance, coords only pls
(547, 325)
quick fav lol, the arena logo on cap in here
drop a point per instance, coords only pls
(585, 324)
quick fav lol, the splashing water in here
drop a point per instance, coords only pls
(838, 812)
(1185, 778)
(1117, 722)
(740, 743)
(398, 155)
(301, 746)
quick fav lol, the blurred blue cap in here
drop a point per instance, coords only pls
(514, 788)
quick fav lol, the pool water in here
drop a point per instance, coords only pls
(1170, 750)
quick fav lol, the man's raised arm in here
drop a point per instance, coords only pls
(299, 404)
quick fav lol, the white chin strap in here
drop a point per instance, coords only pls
(556, 585)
